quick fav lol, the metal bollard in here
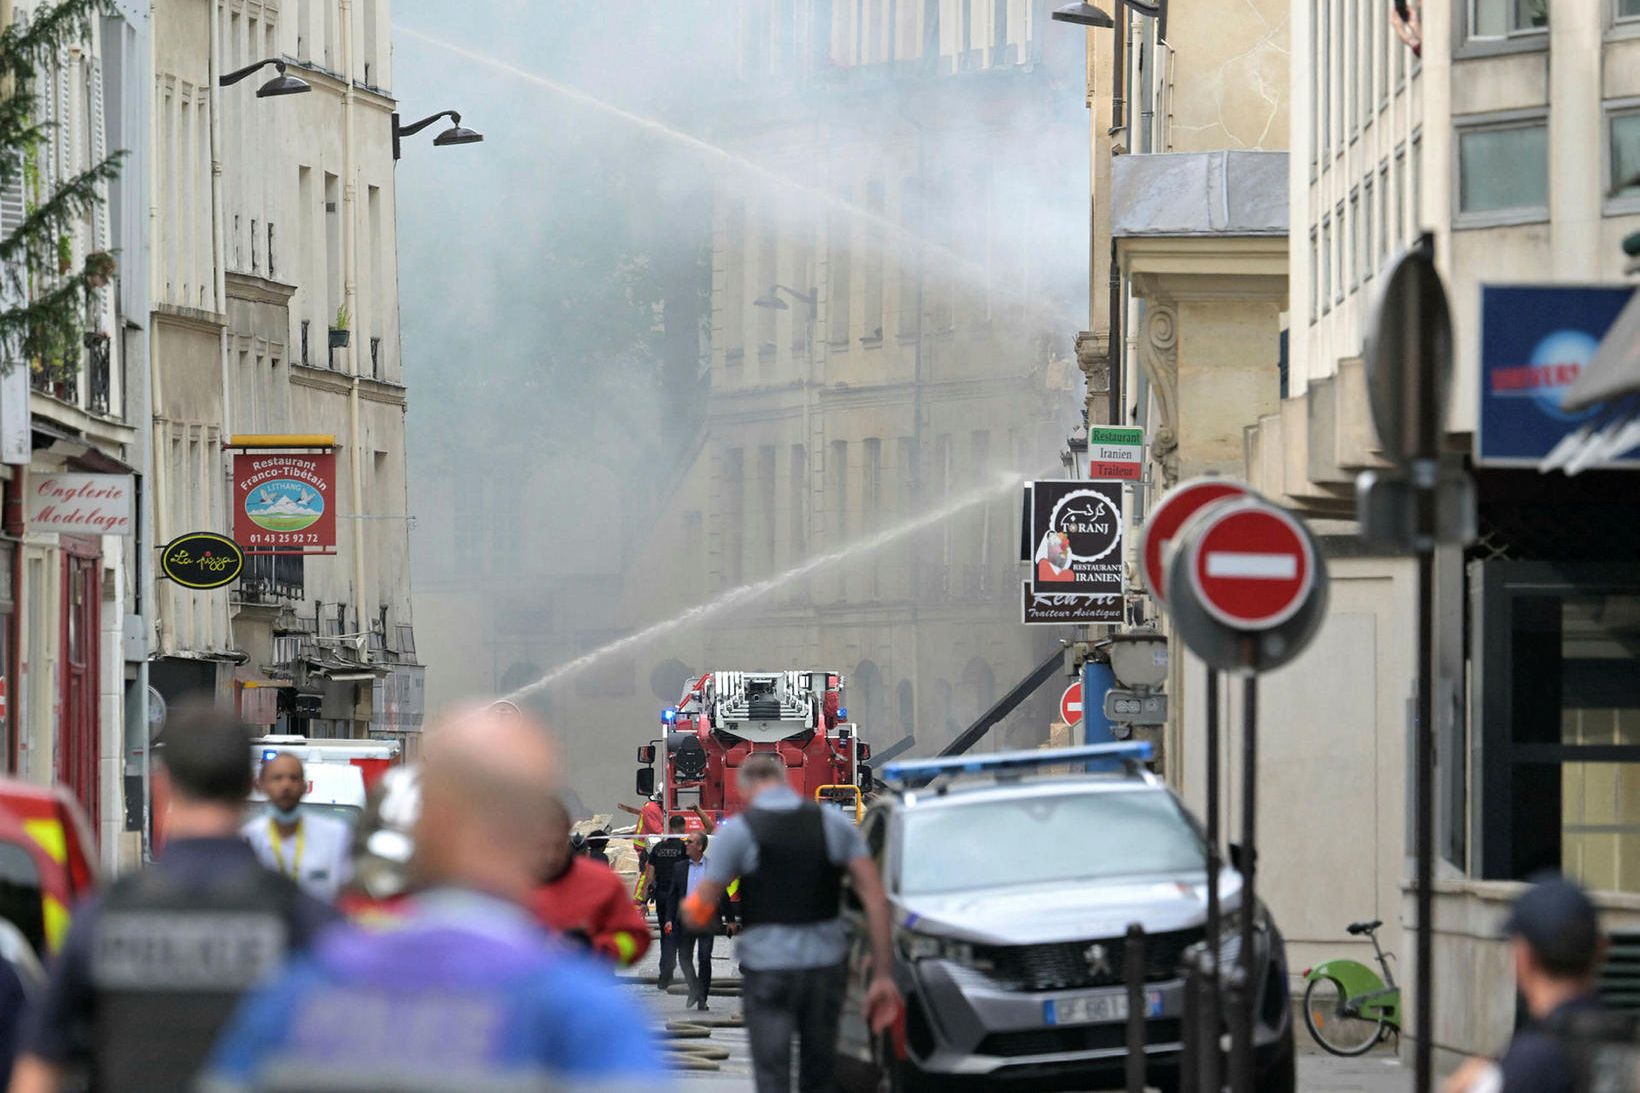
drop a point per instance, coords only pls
(1190, 1039)
(1133, 974)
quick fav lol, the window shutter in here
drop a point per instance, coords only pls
(98, 122)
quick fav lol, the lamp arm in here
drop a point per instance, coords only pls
(417, 126)
(240, 73)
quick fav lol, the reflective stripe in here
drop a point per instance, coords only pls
(56, 916)
(626, 947)
(49, 834)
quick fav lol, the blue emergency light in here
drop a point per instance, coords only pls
(268, 755)
(1095, 756)
(669, 715)
(842, 714)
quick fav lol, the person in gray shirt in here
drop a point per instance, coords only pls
(791, 855)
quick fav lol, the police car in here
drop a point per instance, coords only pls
(1011, 897)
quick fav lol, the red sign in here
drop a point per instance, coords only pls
(284, 502)
(1070, 704)
(1181, 503)
(1251, 565)
(1130, 472)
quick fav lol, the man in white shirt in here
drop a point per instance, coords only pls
(311, 848)
(695, 949)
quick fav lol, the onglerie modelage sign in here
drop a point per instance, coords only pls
(284, 502)
(79, 504)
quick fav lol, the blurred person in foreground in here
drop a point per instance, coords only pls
(464, 991)
(586, 902)
(310, 848)
(1554, 933)
(791, 855)
(152, 966)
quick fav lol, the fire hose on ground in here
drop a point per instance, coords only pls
(681, 1034)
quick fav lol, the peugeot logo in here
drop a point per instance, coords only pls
(1098, 960)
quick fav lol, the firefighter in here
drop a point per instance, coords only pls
(585, 900)
(153, 967)
(466, 990)
(790, 855)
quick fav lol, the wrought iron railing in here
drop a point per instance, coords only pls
(272, 577)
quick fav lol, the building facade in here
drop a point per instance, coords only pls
(881, 340)
(1507, 136)
(276, 316)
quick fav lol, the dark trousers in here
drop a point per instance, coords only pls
(695, 960)
(666, 917)
(800, 1002)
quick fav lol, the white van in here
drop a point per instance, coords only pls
(336, 789)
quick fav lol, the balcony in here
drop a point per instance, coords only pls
(271, 579)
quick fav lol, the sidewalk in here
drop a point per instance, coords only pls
(1380, 1072)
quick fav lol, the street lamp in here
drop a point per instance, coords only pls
(281, 84)
(772, 300)
(1085, 15)
(456, 134)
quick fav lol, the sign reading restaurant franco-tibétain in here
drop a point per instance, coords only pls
(284, 502)
(79, 504)
(202, 559)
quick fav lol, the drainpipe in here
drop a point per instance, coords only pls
(350, 245)
(219, 280)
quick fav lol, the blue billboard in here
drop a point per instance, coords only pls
(1535, 339)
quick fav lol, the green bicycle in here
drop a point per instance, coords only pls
(1347, 1007)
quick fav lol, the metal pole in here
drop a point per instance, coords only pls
(1133, 973)
(1424, 472)
(1245, 1076)
(1208, 1067)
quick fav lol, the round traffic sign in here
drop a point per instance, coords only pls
(1170, 514)
(1070, 704)
(1250, 564)
(1234, 646)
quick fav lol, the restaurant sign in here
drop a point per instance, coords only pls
(80, 504)
(284, 502)
(202, 559)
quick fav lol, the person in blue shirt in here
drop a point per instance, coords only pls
(464, 991)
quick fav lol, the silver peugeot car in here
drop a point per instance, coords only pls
(1012, 889)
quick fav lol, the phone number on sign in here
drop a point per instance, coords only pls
(283, 538)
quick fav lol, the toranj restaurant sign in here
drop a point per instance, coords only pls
(80, 504)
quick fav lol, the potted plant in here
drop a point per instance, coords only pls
(338, 330)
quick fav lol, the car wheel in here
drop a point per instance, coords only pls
(1279, 1074)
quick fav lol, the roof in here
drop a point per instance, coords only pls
(1199, 194)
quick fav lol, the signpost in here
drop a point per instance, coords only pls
(1070, 704)
(1116, 452)
(1246, 588)
(1416, 505)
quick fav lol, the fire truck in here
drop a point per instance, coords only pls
(723, 717)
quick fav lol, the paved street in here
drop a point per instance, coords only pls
(1379, 1073)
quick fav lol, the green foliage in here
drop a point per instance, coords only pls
(341, 318)
(43, 320)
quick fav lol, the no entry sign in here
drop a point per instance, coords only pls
(1251, 565)
(1070, 704)
(1171, 513)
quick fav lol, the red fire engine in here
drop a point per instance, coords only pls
(724, 717)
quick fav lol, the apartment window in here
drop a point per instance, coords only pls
(1415, 182)
(1326, 265)
(1628, 9)
(1362, 59)
(799, 501)
(1367, 255)
(1502, 169)
(1382, 253)
(837, 472)
(1354, 259)
(871, 494)
(766, 522)
(335, 290)
(1382, 39)
(873, 305)
(1316, 70)
(838, 286)
(734, 513)
(1315, 272)
(1401, 197)
(734, 277)
(271, 270)
(1625, 152)
(907, 258)
(1505, 18)
(377, 294)
(1340, 237)
(768, 274)
(1324, 58)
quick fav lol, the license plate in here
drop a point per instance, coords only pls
(1092, 1009)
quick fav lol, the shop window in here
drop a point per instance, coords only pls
(1559, 711)
(1504, 169)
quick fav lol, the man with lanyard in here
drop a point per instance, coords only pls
(152, 967)
(666, 859)
(790, 856)
(309, 847)
(695, 947)
(465, 991)
(1558, 947)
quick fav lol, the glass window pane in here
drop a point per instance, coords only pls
(20, 894)
(1628, 9)
(1531, 14)
(1503, 168)
(1489, 18)
(1626, 147)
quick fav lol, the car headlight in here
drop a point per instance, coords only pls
(915, 946)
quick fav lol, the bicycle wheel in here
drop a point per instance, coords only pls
(1335, 1029)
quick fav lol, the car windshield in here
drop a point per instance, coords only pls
(350, 813)
(1044, 840)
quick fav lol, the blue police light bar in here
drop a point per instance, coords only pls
(1131, 751)
(842, 714)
